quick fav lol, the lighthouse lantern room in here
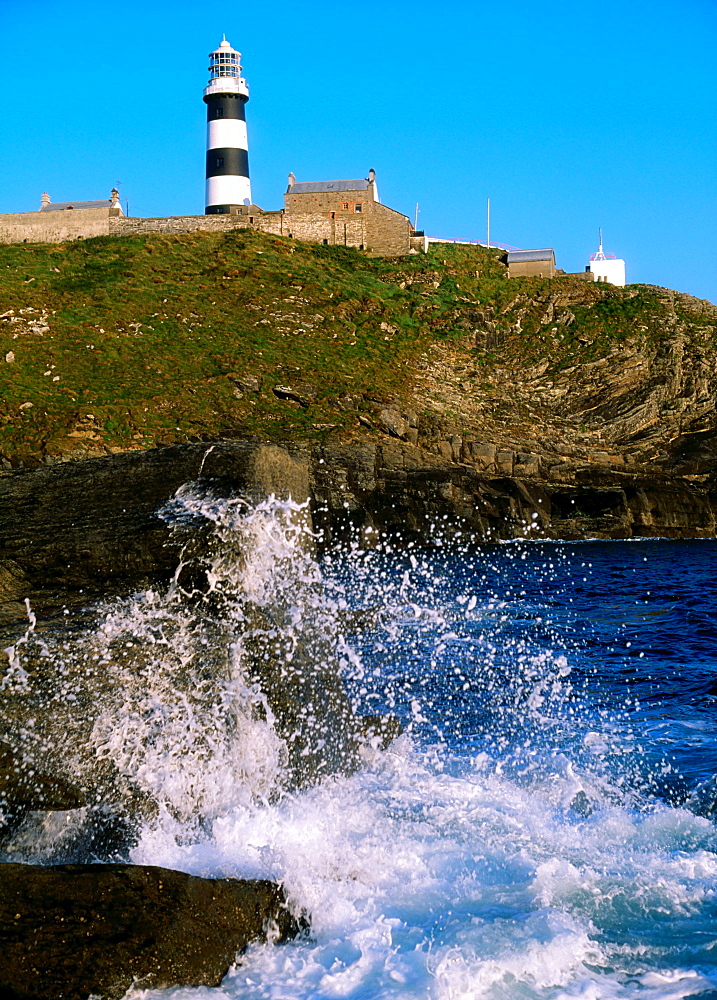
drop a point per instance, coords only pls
(226, 95)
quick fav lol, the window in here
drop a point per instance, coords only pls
(326, 242)
(358, 207)
(220, 161)
(333, 215)
(345, 206)
(219, 112)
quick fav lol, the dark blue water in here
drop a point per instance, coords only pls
(636, 622)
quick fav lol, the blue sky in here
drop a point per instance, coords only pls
(569, 116)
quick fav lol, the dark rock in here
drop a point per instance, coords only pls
(304, 690)
(404, 490)
(302, 393)
(13, 583)
(582, 805)
(245, 384)
(107, 541)
(74, 532)
(92, 527)
(393, 422)
(24, 788)
(74, 931)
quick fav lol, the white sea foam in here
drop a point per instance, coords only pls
(424, 883)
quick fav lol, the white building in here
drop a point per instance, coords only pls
(607, 267)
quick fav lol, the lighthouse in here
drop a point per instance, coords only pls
(225, 95)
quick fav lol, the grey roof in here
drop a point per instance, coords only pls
(61, 206)
(515, 256)
(311, 187)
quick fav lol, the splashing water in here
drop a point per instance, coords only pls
(527, 836)
(177, 705)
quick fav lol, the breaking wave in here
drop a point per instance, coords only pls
(534, 832)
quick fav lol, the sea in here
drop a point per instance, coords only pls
(544, 828)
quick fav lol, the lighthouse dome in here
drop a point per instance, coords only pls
(225, 72)
(224, 61)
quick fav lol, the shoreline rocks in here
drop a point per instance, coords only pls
(76, 531)
(75, 931)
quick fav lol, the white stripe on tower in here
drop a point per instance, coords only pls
(227, 173)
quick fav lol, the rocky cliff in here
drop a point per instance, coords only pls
(405, 391)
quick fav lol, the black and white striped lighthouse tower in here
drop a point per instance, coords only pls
(228, 184)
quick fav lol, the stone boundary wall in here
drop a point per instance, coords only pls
(178, 224)
(580, 275)
(56, 227)
(378, 229)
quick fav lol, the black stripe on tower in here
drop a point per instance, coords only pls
(227, 161)
(225, 106)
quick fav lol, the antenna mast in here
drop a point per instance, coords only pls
(600, 255)
(488, 225)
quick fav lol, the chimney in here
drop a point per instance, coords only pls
(115, 203)
(292, 180)
(374, 186)
(45, 200)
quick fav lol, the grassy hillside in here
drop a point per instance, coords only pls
(130, 342)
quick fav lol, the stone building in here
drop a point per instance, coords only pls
(346, 213)
(60, 221)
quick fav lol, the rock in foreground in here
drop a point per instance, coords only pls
(73, 931)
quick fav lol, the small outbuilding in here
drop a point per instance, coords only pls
(531, 263)
(606, 266)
